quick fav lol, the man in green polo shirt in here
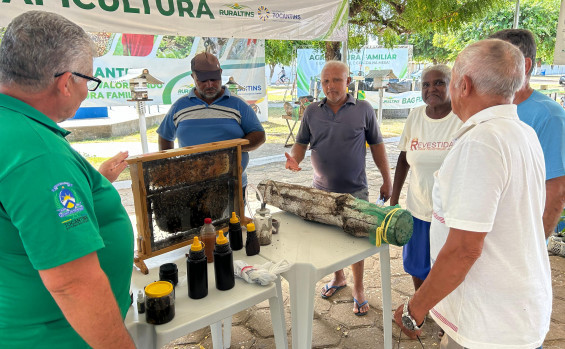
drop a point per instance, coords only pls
(66, 242)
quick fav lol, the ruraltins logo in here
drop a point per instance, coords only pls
(237, 10)
(263, 13)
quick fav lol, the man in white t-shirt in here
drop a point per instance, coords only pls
(490, 283)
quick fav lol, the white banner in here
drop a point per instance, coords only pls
(405, 100)
(282, 20)
(559, 53)
(168, 59)
(311, 62)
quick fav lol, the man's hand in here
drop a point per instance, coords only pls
(398, 320)
(291, 163)
(386, 190)
(112, 167)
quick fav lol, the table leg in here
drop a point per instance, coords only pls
(386, 295)
(216, 329)
(227, 332)
(302, 283)
(277, 317)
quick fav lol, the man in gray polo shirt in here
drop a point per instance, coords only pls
(336, 129)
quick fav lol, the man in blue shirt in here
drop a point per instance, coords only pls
(210, 113)
(547, 118)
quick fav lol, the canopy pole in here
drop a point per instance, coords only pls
(142, 126)
(516, 15)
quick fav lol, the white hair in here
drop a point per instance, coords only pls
(494, 66)
(442, 68)
(336, 64)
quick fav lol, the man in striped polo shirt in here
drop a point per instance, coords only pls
(210, 113)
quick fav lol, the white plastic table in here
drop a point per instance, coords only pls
(194, 314)
(316, 250)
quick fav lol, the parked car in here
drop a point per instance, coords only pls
(562, 80)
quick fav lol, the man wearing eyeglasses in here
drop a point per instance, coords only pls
(210, 113)
(66, 242)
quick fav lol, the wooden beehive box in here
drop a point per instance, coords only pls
(174, 190)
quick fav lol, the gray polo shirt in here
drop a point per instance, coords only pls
(337, 142)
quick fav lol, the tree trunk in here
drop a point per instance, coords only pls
(272, 66)
(333, 51)
(356, 217)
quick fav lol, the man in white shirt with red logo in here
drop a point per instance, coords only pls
(490, 281)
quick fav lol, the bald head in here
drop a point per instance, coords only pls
(336, 65)
(495, 67)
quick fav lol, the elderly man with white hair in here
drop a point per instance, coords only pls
(487, 227)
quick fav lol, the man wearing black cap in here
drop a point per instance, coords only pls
(210, 113)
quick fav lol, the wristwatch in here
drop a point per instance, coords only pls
(408, 321)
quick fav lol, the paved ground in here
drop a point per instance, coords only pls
(334, 325)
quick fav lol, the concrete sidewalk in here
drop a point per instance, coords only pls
(335, 325)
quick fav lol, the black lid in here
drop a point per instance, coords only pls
(168, 268)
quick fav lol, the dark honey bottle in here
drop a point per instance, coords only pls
(234, 230)
(197, 270)
(252, 246)
(223, 264)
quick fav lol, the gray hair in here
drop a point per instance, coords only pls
(521, 38)
(336, 64)
(495, 67)
(442, 68)
(37, 45)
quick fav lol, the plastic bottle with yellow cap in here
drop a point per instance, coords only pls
(223, 263)
(197, 270)
(159, 303)
(252, 246)
(234, 231)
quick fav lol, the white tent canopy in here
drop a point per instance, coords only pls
(282, 20)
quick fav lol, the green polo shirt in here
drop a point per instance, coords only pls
(54, 208)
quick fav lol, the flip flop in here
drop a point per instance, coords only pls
(327, 288)
(359, 305)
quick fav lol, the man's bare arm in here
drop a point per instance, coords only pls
(82, 291)
(554, 203)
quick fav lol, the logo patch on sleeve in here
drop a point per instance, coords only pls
(66, 201)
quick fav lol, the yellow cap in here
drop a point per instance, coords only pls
(158, 289)
(196, 245)
(234, 218)
(221, 239)
(250, 227)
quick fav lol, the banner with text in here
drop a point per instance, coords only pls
(168, 59)
(405, 100)
(282, 20)
(310, 63)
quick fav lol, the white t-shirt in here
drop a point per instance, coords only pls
(493, 180)
(426, 142)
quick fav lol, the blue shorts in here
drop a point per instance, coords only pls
(416, 253)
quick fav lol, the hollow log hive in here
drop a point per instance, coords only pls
(357, 217)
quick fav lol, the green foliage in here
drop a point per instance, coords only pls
(539, 16)
(390, 20)
(279, 52)
(2, 31)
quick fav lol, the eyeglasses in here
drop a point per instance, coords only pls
(92, 83)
